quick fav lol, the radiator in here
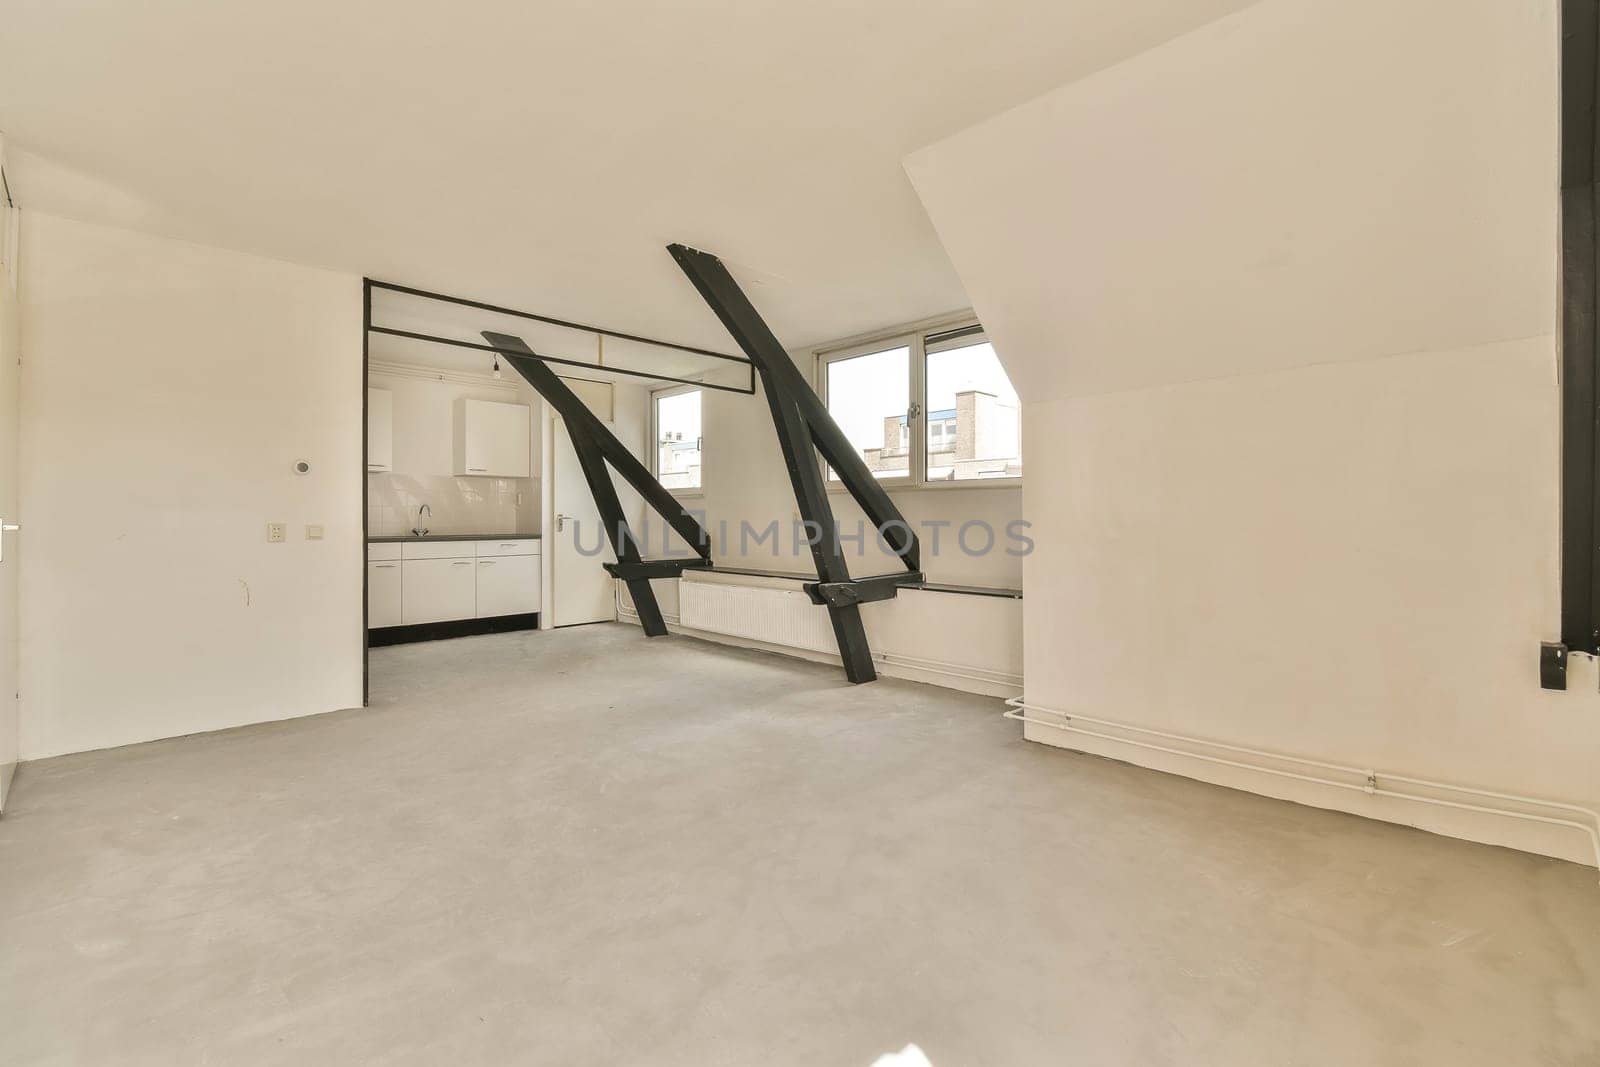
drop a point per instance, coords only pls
(777, 616)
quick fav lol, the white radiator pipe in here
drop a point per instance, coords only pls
(950, 670)
(1589, 823)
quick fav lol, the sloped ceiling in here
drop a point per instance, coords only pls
(541, 155)
(1235, 201)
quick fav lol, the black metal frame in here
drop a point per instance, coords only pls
(805, 428)
(366, 532)
(748, 390)
(594, 445)
(803, 424)
(1580, 258)
(461, 301)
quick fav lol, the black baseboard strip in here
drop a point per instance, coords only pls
(439, 631)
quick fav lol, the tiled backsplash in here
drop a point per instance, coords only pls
(458, 505)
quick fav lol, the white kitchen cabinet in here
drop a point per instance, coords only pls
(507, 585)
(438, 549)
(383, 593)
(412, 582)
(436, 590)
(514, 546)
(491, 439)
(380, 430)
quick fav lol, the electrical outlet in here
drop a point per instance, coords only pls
(277, 532)
(314, 532)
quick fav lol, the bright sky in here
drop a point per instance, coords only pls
(679, 413)
(865, 389)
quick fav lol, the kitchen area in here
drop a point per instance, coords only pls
(453, 502)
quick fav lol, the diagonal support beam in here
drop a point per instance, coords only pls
(550, 386)
(626, 549)
(595, 447)
(742, 320)
(804, 428)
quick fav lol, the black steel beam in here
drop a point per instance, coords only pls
(827, 555)
(549, 385)
(592, 461)
(728, 301)
(595, 447)
(805, 428)
(656, 568)
(1580, 349)
(861, 590)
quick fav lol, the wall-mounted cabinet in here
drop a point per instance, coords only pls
(380, 430)
(491, 439)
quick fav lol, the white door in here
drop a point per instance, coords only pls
(10, 541)
(584, 592)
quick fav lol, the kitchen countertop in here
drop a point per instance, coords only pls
(392, 538)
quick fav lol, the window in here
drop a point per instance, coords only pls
(675, 422)
(926, 408)
(869, 396)
(974, 429)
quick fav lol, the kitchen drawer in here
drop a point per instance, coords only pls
(437, 590)
(507, 585)
(438, 550)
(511, 546)
(386, 550)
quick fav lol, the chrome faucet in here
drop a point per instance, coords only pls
(421, 529)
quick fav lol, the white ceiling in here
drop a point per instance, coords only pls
(542, 155)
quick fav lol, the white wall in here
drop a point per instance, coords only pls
(1281, 299)
(167, 389)
(10, 354)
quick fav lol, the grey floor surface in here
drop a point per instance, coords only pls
(587, 848)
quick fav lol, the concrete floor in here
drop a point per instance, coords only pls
(588, 848)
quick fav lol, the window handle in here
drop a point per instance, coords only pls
(913, 411)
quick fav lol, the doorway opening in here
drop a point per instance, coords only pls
(477, 513)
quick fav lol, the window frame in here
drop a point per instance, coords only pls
(913, 337)
(888, 343)
(654, 443)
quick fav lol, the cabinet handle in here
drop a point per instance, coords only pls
(486, 563)
(384, 566)
(461, 563)
(478, 469)
(512, 545)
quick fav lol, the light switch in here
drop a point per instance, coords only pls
(277, 532)
(314, 532)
